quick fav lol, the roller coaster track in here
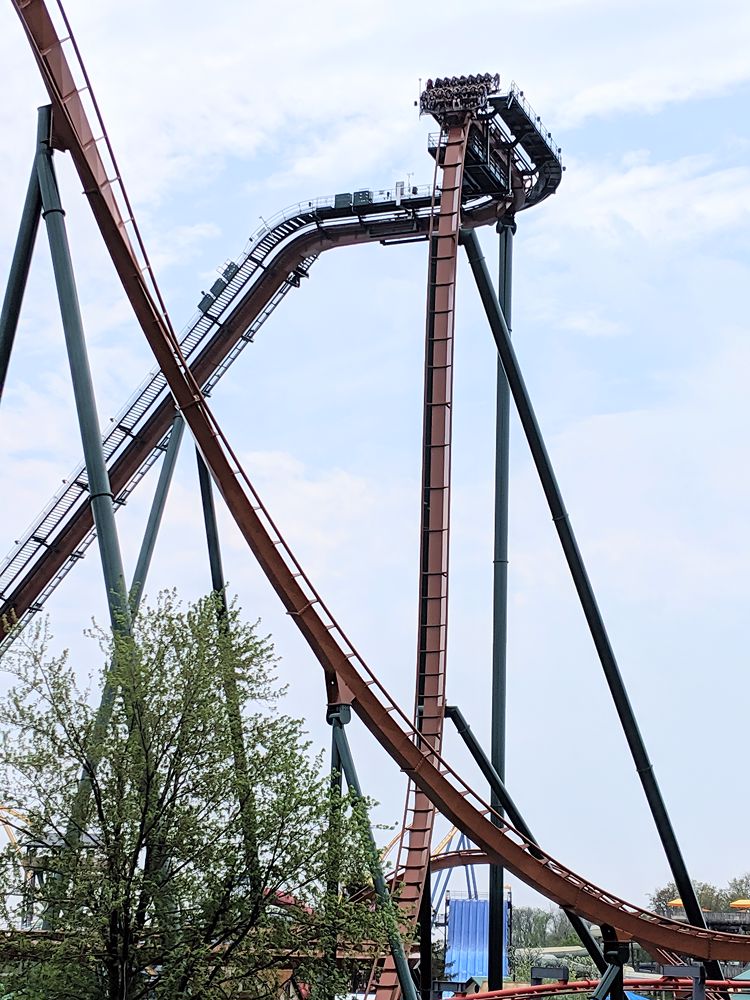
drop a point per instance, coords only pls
(662, 984)
(432, 644)
(275, 260)
(347, 676)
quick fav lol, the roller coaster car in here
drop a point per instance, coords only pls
(447, 97)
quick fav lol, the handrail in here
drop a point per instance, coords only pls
(518, 94)
(192, 339)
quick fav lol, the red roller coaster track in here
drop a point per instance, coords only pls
(348, 679)
(662, 984)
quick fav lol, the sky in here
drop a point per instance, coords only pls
(629, 319)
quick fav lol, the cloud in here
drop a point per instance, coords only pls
(178, 243)
(591, 324)
(660, 202)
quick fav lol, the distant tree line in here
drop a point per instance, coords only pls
(535, 931)
(537, 928)
(710, 897)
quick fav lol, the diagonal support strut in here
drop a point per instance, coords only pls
(583, 586)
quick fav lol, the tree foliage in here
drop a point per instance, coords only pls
(180, 874)
(530, 927)
(536, 928)
(533, 931)
(710, 897)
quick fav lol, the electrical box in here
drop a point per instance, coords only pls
(342, 200)
(362, 198)
(206, 302)
(230, 270)
(218, 287)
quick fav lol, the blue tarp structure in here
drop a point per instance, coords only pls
(466, 946)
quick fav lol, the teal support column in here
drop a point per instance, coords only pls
(496, 933)
(338, 716)
(333, 885)
(218, 583)
(156, 513)
(100, 492)
(243, 778)
(584, 589)
(19, 272)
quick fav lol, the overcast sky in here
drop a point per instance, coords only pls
(631, 324)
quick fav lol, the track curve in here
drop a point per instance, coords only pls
(348, 678)
(25, 578)
(663, 984)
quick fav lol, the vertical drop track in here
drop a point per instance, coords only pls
(429, 708)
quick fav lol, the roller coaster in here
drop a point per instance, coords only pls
(493, 159)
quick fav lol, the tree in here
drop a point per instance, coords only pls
(527, 939)
(560, 931)
(535, 929)
(182, 874)
(530, 925)
(739, 887)
(710, 897)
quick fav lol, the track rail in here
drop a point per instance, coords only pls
(347, 676)
(275, 260)
(663, 984)
(413, 857)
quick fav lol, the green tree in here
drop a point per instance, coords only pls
(530, 924)
(185, 876)
(739, 887)
(535, 929)
(527, 939)
(560, 931)
(710, 897)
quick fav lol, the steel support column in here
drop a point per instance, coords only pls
(19, 271)
(425, 939)
(496, 932)
(616, 953)
(243, 783)
(501, 794)
(212, 534)
(334, 826)
(583, 586)
(155, 514)
(100, 493)
(338, 716)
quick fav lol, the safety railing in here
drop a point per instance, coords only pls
(193, 337)
(518, 95)
(409, 193)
